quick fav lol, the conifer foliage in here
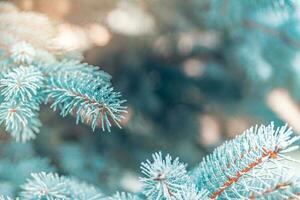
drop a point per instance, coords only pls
(254, 165)
(35, 72)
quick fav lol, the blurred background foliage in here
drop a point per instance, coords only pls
(194, 73)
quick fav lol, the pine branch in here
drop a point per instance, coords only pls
(19, 87)
(51, 186)
(252, 166)
(94, 105)
(225, 173)
(191, 192)
(285, 190)
(34, 71)
(75, 68)
(21, 84)
(21, 120)
(163, 177)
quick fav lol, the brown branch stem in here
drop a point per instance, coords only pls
(231, 180)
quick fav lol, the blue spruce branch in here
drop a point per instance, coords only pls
(251, 166)
(34, 73)
(233, 167)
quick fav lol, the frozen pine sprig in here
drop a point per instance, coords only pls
(249, 159)
(189, 191)
(163, 177)
(20, 119)
(21, 83)
(34, 71)
(45, 186)
(82, 97)
(51, 186)
(251, 166)
(75, 68)
(281, 185)
(21, 89)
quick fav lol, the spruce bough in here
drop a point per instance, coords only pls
(34, 71)
(254, 165)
